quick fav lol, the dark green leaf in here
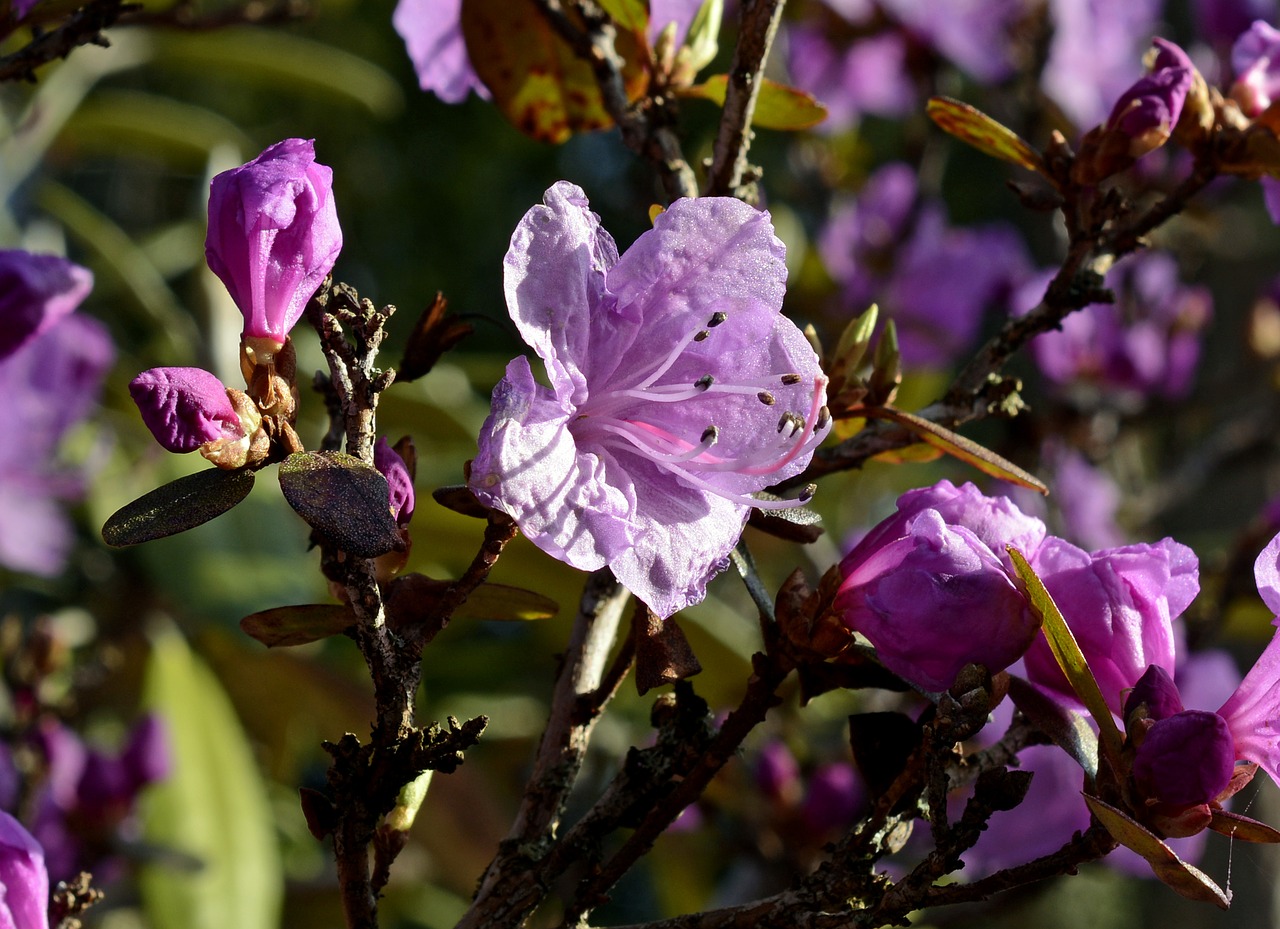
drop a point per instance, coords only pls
(177, 506)
(298, 625)
(343, 499)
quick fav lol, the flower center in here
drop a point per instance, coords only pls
(631, 418)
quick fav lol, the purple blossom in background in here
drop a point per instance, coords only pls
(1147, 343)
(1095, 53)
(24, 882)
(35, 292)
(930, 588)
(399, 482)
(1087, 500)
(777, 773)
(834, 798)
(22, 7)
(1219, 22)
(677, 391)
(184, 407)
(933, 280)
(89, 794)
(273, 235)
(870, 76)
(1255, 59)
(1120, 604)
(49, 386)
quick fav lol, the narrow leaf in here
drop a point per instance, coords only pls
(777, 107)
(177, 506)
(971, 125)
(1068, 729)
(1186, 879)
(498, 601)
(1243, 828)
(1069, 657)
(956, 445)
(212, 808)
(298, 625)
(345, 500)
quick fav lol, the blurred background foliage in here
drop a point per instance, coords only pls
(108, 158)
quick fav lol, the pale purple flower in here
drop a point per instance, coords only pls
(49, 386)
(1120, 604)
(35, 292)
(1087, 499)
(976, 35)
(273, 235)
(399, 482)
(1095, 53)
(678, 390)
(1255, 58)
(24, 882)
(931, 588)
(934, 280)
(1253, 712)
(1147, 343)
(869, 76)
(184, 407)
(1266, 572)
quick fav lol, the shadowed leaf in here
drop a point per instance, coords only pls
(343, 499)
(501, 602)
(663, 655)
(1186, 879)
(1243, 828)
(298, 625)
(433, 334)
(1066, 728)
(177, 506)
(971, 125)
(777, 107)
(1069, 657)
(537, 80)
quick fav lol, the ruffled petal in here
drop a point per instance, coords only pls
(1266, 571)
(1253, 712)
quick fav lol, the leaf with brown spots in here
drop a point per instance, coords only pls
(971, 125)
(537, 80)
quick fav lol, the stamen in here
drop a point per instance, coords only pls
(790, 379)
(824, 417)
(704, 382)
(701, 336)
(766, 398)
(717, 318)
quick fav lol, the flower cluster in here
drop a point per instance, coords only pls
(678, 391)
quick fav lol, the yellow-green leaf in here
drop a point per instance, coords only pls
(1069, 657)
(1184, 878)
(971, 125)
(777, 107)
(956, 445)
(212, 809)
(498, 601)
(537, 80)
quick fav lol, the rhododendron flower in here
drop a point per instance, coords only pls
(185, 407)
(35, 292)
(678, 390)
(24, 882)
(1120, 604)
(1148, 111)
(929, 590)
(273, 236)
(1255, 58)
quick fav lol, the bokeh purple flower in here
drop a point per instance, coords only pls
(1255, 59)
(49, 386)
(35, 292)
(1120, 604)
(835, 795)
(935, 281)
(273, 236)
(1220, 22)
(930, 587)
(24, 882)
(1147, 343)
(678, 390)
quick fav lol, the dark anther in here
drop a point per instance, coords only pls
(701, 336)
(790, 379)
(704, 382)
(766, 398)
(717, 318)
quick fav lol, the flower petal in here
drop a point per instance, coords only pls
(1253, 712)
(1266, 571)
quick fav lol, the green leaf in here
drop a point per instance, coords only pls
(1184, 878)
(213, 806)
(777, 107)
(343, 499)
(498, 601)
(537, 80)
(971, 125)
(956, 445)
(177, 506)
(298, 625)
(1069, 657)
(628, 14)
(1068, 729)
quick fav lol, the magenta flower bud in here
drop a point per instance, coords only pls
(777, 773)
(1157, 692)
(35, 292)
(185, 408)
(147, 757)
(1148, 111)
(1185, 759)
(1255, 58)
(393, 469)
(273, 235)
(1120, 604)
(933, 600)
(24, 882)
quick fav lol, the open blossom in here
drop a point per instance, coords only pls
(35, 292)
(273, 236)
(24, 882)
(1255, 58)
(678, 390)
(931, 588)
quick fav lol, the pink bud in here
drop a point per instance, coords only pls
(273, 235)
(184, 407)
(393, 469)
